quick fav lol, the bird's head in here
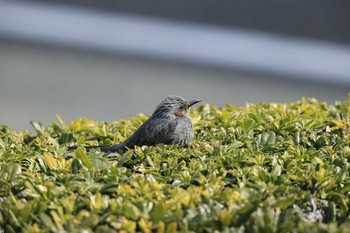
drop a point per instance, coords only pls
(174, 107)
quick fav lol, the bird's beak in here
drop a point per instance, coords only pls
(192, 102)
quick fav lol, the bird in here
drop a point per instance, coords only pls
(169, 124)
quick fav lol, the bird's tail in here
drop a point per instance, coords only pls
(110, 148)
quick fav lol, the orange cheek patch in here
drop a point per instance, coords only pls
(179, 113)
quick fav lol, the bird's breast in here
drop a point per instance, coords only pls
(183, 132)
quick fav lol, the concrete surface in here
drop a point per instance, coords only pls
(37, 82)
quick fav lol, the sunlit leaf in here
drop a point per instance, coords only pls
(83, 124)
(64, 124)
(278, 167)
(2, 144)
(12, 170)
(38, 127)
(125, 158)
(81, 154)
(50, 161)
(158, 212)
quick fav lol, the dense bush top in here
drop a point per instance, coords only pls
(261, 168)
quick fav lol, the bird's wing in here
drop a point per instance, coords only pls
(152, 132)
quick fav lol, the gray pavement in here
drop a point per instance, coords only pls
(37, 82)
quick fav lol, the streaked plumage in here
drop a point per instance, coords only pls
(169, 124)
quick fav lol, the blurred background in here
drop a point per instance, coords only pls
(112, 59)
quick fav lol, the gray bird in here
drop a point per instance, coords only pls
(169, 124)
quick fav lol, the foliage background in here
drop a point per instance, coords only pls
(260, 168)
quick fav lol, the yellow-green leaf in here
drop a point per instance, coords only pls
(64, 124)
(81, 154)
(172, 227)
(83, 124)
(50, 161)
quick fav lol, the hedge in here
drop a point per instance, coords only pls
(278, 167)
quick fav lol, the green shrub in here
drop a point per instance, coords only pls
(261, 168)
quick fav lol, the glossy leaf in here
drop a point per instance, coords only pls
(50, 161)
(38, 127)
(81, 154)
(260, 168)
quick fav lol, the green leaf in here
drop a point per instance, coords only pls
(65, 138)
(248, 124)
(12, 170)
(341, 176)
(81, 154)
(76, 166)
(127, 156)
(83, 124)
(331, 213)
(64, 124)
(46, 220)
(51, 161)
(2, 144)
(272, 138)
(284, 202)
(110, 188)
(150, 161)
(158, 212)
(38, 127)
(237, 144)
(99, 163)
